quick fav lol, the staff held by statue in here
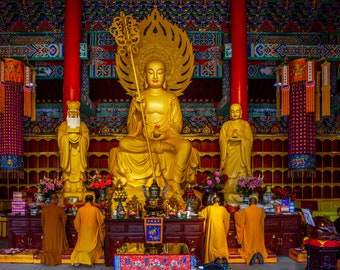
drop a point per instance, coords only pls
(125, 30)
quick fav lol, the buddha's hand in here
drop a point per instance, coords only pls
(138, 102)
(73, 136)
(168, 147)
(158, 135)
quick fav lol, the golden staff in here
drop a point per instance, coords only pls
(125, 30)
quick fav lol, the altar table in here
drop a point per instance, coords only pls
(187, 231)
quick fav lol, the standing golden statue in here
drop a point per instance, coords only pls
(236, 142)
(73, 143)
(154, 65)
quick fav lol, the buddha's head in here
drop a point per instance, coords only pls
(235, 111)
(155, 75)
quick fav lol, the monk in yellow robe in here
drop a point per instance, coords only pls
(216, 228)
(250, 232)
(73, 143)
(236, 142)
(54, 242)
(89, 223)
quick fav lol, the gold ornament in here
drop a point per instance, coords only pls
(156, 39)
(73, 105)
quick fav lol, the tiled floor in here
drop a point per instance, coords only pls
(283, 263)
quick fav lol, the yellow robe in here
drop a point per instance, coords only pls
(131, 160)
(216, 228)
(250, 232)
(54, 242)
(89, 223)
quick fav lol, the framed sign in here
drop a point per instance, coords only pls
(153, 229)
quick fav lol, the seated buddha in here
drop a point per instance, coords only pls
(173, 160)
(154, 67)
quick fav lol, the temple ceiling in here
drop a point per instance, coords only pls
(321, 16)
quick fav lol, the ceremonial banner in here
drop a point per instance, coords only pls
(310, 86)
(326, 88)
(2, 86)
(285, 88)
(11, 119)
(27, 91)
(301, 121)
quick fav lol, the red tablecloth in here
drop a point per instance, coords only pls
(164, 261)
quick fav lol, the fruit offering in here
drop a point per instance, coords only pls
(189, 193)
(119, 194)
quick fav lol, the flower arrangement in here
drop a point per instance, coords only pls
(246, 186)
(29, 193)
(48, 185)
(172, 214)
(132, 214)
(211, 180)
(99, 180)
(121, 214)
(282, 193)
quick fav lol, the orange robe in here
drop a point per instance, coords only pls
(54, 242)
(89, 223)
(250, 232)
(216, 228)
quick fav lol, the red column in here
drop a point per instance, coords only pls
(239, 64)
(72, 52)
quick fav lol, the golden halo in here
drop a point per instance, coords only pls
(159, 40)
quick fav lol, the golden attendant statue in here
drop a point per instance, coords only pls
(236, 142)
(73, 142)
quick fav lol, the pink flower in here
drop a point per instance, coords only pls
(211, 180)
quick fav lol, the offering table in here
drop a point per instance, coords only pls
(187, 231)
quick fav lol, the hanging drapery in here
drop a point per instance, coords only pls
(2, 86)
(27, 91)
(301, 120)
(278, 94)
(326, 88)
(11, 119)
(317, 96)
(34, 97)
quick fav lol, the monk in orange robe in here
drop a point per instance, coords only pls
(250, 232)
(54, 242)
(216, 226)
(89, 223)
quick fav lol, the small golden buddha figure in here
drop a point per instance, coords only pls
(236, 142)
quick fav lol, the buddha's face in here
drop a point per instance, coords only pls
(155, 74)
(235, 112)
(73, 113)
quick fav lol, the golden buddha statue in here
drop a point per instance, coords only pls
(154, 148)
(236, 142)
(73, 143)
